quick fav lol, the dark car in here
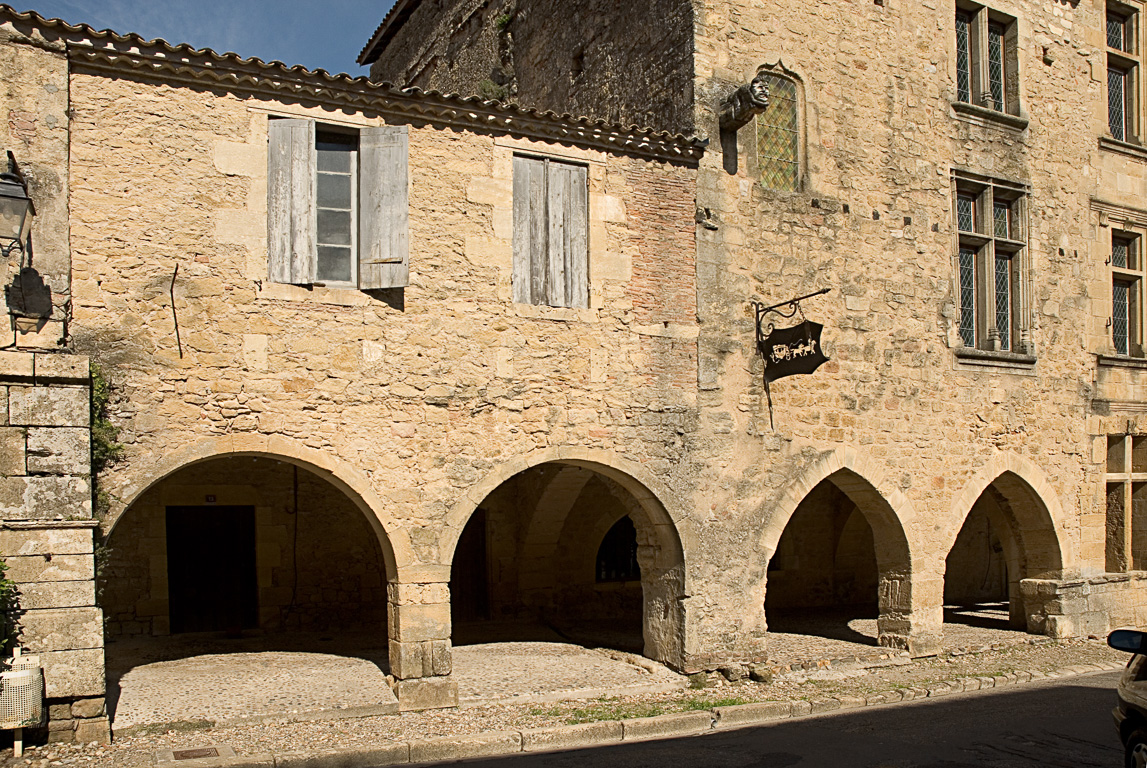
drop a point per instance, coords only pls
(1131, 711)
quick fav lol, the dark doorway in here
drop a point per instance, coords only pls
(469, 586)
(211, 569)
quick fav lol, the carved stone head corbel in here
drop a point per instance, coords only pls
(744, 103)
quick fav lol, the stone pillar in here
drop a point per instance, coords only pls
(418, 615)
(911, 613)
(47, 536)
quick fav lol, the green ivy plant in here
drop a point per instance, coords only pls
(105, 449)
(10, 613)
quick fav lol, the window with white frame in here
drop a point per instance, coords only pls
(1123, 71)
(990, 223)
(551, 232)
(987, 65)
(1127, 273)
(337, 205)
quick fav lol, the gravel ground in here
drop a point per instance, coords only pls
(139, 751)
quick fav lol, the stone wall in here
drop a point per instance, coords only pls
(34, 127)
(47, 534)
(627, 63)
(1086, 607)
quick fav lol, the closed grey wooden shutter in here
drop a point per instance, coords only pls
(384, 215)
(531, 239)
(291, 191)
(1011, 69)
(569, 252)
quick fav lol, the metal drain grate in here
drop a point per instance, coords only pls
(165, 757)
(194, 754)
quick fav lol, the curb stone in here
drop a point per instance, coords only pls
(603, 732)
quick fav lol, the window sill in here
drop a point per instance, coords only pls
(1123, 147)
(999, 359)
(985, 116)
(1122, 361)
(544, 312)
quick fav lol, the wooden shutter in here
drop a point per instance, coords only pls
(291, 191)
(530, 231)
(551, 233)
(568, 215)
(384, 216)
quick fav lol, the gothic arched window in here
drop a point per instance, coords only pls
(778, 135)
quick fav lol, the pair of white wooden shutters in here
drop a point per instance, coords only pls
(383, 258)
(551, 237)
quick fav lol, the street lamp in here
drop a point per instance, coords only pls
(16, 210)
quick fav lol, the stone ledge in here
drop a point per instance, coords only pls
(984, 116)
(999, 359)
(1123, 147)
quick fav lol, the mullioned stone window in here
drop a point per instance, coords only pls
(991, 263)
(987, 59)
(1126, 503)
(779, 134)
(1123, 71)
(1127, 275)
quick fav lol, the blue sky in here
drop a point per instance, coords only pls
(326, 34)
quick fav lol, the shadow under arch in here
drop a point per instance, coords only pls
(354, 484)
(888, 513)
(1022, 509)
(560, 477)
(1034, 506)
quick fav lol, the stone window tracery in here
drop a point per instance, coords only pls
(1123, 72)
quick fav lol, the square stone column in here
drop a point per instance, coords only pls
(418, 616)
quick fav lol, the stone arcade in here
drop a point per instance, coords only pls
(419, 364)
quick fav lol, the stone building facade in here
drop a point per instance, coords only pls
(535, 393)
(312, 406)
(968, 180)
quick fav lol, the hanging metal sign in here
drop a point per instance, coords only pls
(788, 351)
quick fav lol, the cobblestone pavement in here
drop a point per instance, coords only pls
(516, 672)
(247, 682)
(1012, 662)
(227, 687)
(837, 634)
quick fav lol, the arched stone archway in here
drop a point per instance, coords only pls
(541, 528)
(1011, 501)
(903, 617)
(134, 478)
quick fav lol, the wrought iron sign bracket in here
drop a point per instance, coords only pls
(787, 351)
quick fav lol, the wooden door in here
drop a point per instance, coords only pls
(211, 574)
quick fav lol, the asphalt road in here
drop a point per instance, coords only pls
(1065, 724)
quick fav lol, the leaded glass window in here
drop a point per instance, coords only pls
(1002, 219)
(966, 213)
(996, 65)
(1116, 32)
(1127, 279)
(1004, 300)
(1120, 321)
(968, 297)
(963, 58)
(778, 136)
(1117, 103)
(989, 261)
